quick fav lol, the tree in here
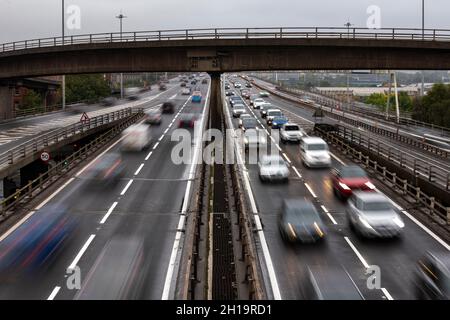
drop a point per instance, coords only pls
(31, 99)
(88, 88)
(380, 99)
(434, 107)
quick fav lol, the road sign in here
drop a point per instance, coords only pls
(84, 118)
(45, 156)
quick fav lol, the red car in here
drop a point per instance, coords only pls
(349, 178)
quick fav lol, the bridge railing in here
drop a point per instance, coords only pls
(36, 145)
(234, 33)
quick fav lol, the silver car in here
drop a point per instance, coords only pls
(273, 168)
(238, 109)
(372, 215)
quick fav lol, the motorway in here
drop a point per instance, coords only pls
(397, 259)
(143, 208)
(439, 164)
(16, 132)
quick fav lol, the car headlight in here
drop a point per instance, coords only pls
(317, 228)
(370, 185)
(344, 186)
(291, 231)
(398, 221)
(274, 123)
(245, 141)
(262, 140)
(365, 223)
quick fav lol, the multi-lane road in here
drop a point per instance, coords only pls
(142, 211)
(397, 259)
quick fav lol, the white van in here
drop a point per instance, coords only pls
(314, 152)
(137, 137)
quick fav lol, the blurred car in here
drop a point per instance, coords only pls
(77, 108)
(326, 127)
(272, 113)
(278, 122)
(108, 169)
(35, 243)
(263, 107)
(229, 93)
(162, 87)
(253, 97)
(235, 99)
(254, 139)
(329, 283)
(204, 81)
(108, 101)
(136, 138)
(193, 82)
(291, 132)
(242, 117)
(248, 85)
(183, 84)
(197, 97)
(264, 94)
(153, 116)
(238, 109)
(371, 214)
(168, 107)
(132, 93)
(299, 221)
(346, 179)
(249, 123)
(186, 91)
(237, 85)
(116, 273)
(273, 168)
(227, 87)
(433, 277)
(257, 103)
(314, 152)
(187, 120)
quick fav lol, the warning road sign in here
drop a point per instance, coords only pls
(84, 118)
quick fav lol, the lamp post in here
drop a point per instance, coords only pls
(63, 83)
(423, 38)
(348, 25)
(121, 17)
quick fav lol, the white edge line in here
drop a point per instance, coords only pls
(387, 294)
(110, 210)
(80, 254)
(178, 235)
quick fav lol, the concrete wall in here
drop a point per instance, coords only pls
(6, 102)
(223, 55)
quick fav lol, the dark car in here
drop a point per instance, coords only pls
(229, 93)
(204, 81)
(326, 127)
(35, 243)
(248, 85)
(108, 101)
(345, 179)
(168, 107)
(329, 283)
(183, 84)
(227, 87)
(299, 221)
(108, 169)
(433, 277)
(162, 87)
(249, 123)
(194, 82)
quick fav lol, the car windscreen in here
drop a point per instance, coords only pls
(275, 114)
(317, 146)
(249, 123)
(376, 206)
(292, 128)
(353, 172)
(302, 215)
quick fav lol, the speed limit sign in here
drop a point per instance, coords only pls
(45, 156)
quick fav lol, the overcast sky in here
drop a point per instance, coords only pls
(27, 19)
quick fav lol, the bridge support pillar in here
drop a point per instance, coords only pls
(6, 102)
(215, 99)
(32, 171)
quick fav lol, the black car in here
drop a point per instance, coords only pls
(329, 283)
(168, 107)
(299, 221)
(229, 93)
(193, 82)
(109, 101)
(204, 81)
(162, 87)
(183, 84)
(227, 87)
(433, 277)
(248, 85)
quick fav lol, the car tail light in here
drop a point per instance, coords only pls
(344, 186)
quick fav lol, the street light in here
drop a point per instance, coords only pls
(63, 84)
(423, 38)
(121, 17)
(348, 25)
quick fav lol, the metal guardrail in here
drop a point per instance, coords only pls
(418, 167)
(34, 145)
(41, 110)
(420, 199)
(35, 187)
(344, 116)
(235, 33)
